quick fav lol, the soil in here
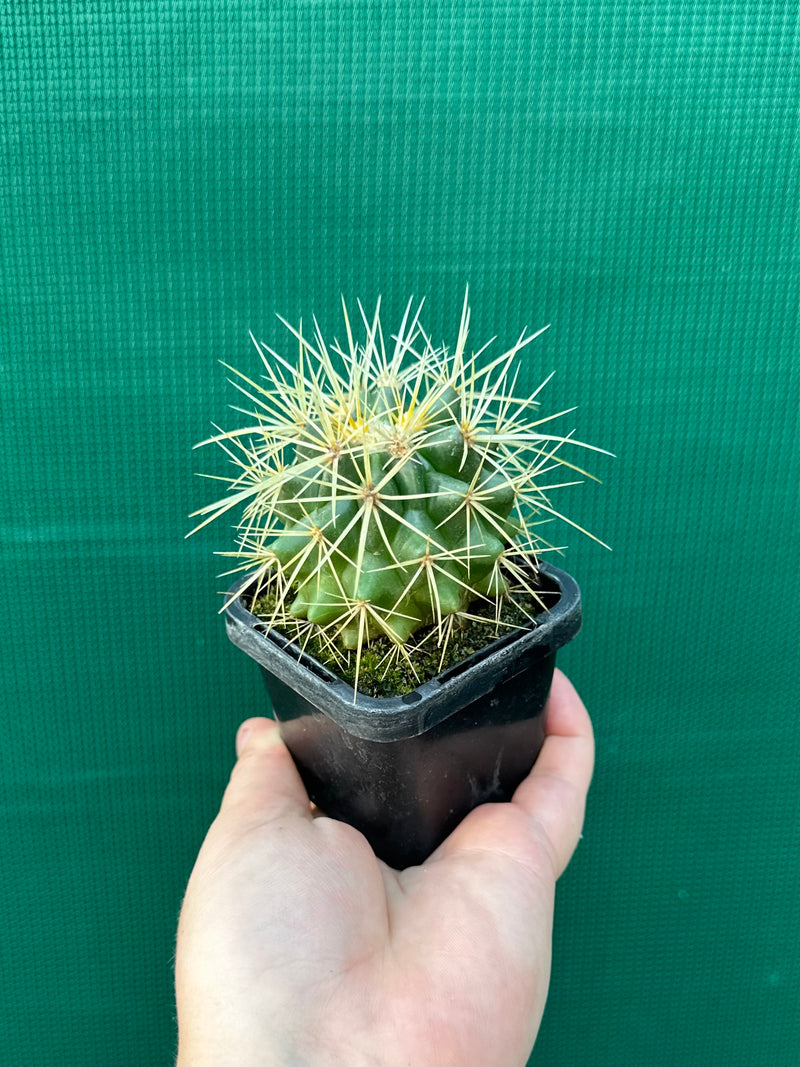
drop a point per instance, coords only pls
(382, 672)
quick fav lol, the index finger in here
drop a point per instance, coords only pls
(265, 782)
(554, 793)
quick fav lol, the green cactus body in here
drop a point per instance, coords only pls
(385, 492)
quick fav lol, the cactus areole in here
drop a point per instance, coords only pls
(389, 493)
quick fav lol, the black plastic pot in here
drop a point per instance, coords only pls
(405, 770)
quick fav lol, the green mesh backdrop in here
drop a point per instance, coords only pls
(173, 174)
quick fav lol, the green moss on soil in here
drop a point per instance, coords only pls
(379, 676)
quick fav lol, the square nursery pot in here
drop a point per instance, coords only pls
(405, 770)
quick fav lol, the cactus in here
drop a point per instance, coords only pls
(388, 490)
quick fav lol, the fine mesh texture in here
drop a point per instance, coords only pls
(173, 174)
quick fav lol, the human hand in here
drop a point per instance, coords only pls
(296, 946)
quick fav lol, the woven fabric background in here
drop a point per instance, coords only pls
(174, 174)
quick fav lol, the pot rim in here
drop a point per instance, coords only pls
(411, 714)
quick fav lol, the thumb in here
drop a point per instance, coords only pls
(265, 781)
(554, 793)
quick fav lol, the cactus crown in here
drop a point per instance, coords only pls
(386, 490)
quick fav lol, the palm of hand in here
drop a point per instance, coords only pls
(297, 946)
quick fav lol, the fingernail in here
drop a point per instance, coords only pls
(241, 737)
